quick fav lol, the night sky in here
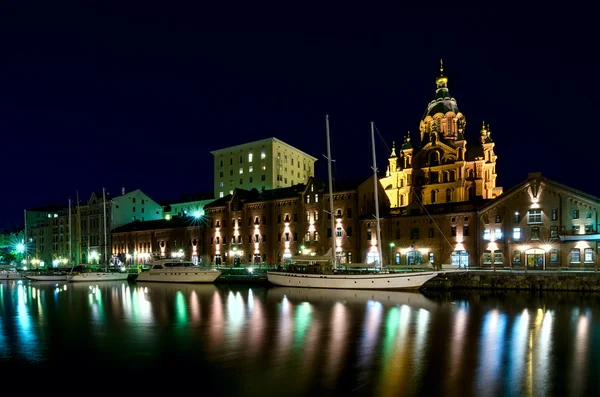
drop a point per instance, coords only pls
(138, 97)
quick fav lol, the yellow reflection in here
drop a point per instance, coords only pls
(336, 348)
(542, 356)
(195, 307)
(370, 333)
(217, 321)
(256, 325)
(457, 346)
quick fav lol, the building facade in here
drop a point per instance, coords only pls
(252, 227)
(262, 165)
(540, 224)
(141, 242)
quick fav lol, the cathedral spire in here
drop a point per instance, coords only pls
(441, 81)
(393, 154)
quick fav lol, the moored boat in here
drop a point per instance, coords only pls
(177, 271)
(89, 273)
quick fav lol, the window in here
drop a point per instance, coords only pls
(452, 230)
(414, 258)
(241, 159)
(328, 232)
(553, 231)
(575, 255)
(230, 173)
(250, 169)
(554, 255)
(414, 234)
(460, 258)
(308, 215)
(221, 194)
(497, 257)
(263, 177)
(487, 257)
(535, 233)
(241, 181)
(316, 216)
(430, 234)
(487, 234)
(465, 230)
(316, 198)
(221, 184)
(497, 218)
(307, 199)
(517, 233)
(338, 232)
(250, 157)
(588, 255)
(221, 163)
(575, 214)
(517, 217)
(554, 214)
(316, 236)
(369, 235)
(263, 155)
(497, 234)
(431, 258)
(221, 174)
(279, 218)
(535, 216)
(397, 258)
(448, 195)
(349, 231)
(516, 257)
(241, 170)
(433, 195)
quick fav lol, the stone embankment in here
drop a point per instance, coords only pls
(538, 281)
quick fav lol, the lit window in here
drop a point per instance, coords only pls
(486, 234)
(487, 257)
(316, 198)
(250, 169)
(249, 157)
(221, 184)
(588, 256)
(338, 232)
(575, 255)
(264, 167)
(263, 155)
(230, 192)
(535, 233)
(497, 234)
(535, 216)
(497, 257)
(516, 257)
(554, 255)
(516, 233)
(220, 194)
(241, 170)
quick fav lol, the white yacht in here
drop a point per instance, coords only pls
(11, 274)
(176, 271)
(48, 276)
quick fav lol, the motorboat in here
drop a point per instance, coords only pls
(95, 273)
(178, 271)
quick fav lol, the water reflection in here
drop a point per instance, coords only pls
(294, 341)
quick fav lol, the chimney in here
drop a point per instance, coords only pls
(123, 190)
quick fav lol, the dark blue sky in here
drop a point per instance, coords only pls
(139, 96)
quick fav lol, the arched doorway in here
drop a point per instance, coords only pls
(535, 258)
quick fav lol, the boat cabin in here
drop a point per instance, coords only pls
(169, 263)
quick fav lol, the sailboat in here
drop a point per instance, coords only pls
(88, 273)
(378, 279)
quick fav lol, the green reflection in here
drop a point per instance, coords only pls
(303, 317)
(181, 308)
(391, 328)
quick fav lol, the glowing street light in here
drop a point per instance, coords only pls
(392, 245)
(20, 248)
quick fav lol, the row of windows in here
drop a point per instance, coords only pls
(263, 156)
(535, 216)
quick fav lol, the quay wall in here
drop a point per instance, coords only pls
(555, 281)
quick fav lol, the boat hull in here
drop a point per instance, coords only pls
(48, 278)
(386, 281)
(99, 276)
(204, 276)
(11, 276)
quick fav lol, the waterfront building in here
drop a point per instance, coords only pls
(262, 165)
(140, 242)
(540, 224)
(52, 242)
(265, 227)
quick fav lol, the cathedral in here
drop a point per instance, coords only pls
(443, 167)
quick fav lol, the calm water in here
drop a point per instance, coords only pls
(296, 342)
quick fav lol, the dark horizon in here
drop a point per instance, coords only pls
(97, 98)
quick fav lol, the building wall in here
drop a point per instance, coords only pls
(141, 247)
(135, 205)
(261, 165)
(265, 232)
(538, 225)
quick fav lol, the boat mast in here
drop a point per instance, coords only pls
(330, 193)
(376, 185)
(78, 231)
(25, 241)
(105, 245)
(70, 234)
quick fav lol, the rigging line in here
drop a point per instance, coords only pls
(382, 140)
(434, 222)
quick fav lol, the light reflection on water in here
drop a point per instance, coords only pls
(288, 341)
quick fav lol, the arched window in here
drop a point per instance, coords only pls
(434, 158)
(448, 195)
(433, 196)
(471, 174)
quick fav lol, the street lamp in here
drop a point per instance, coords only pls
(392, 245)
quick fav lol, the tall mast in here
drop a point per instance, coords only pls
(25, 241)
(330, 193)
(78, 231)
(376, 185)
(70, 234)
(105, 242)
